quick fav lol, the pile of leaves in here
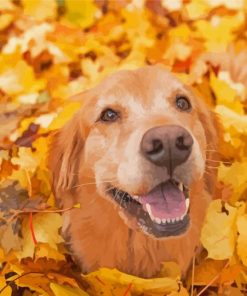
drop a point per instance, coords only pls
(51, 50)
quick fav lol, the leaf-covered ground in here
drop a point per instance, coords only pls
(51, 50)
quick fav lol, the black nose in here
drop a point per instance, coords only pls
(167, 146)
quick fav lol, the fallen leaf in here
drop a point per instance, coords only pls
(66, 290)
(242, 238)
(46, 228)
(80, 12)
(40, 9)
(105, 279)
(219, 232)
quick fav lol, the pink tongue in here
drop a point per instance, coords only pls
(166, 201)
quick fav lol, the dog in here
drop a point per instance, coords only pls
(135, 158)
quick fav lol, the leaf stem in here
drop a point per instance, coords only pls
(212, 281)
(128, 289)
(32, 229)
(20, 276)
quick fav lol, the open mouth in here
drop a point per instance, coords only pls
(163, 212)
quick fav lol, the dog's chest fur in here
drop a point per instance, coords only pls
(99, 237)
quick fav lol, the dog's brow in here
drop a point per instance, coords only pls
(160, 102)
(124, 101)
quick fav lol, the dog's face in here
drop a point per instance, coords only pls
(143, 137)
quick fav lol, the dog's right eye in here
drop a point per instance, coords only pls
(109, 115)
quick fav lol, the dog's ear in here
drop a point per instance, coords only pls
(65, 154)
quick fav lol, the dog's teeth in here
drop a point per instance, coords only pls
(187, 202)
(148, 207)
(173, 220)
(177, 219)
(164, 221)
(182, 217)
(135, 197)
(180, 186)
(168, 220)
(158, 220)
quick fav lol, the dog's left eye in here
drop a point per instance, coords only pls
(183, 103)
(109, 115)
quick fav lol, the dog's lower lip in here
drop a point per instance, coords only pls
(170, 226)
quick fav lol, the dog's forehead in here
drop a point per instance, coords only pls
(147, 87)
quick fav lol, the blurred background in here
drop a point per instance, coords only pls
(51, 50)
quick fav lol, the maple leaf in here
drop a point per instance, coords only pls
(7, 291)
(106, 279)
(219, 231)
(62, 290)
(13, 198)
(46, 228)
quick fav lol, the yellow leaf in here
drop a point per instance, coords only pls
(40, 9)
(179, 47)
(5, 20)
(196, 9)
(62, 290)
(206, 270)
(64, 115)
(242, 238)
(46, 229)
(44, 250)
(107, 278)
(35, 281)
(219, 31)
(235, 127)
(231, 4)
(80, 12)
(26, 159)
(218, 234)
(174, 5)
(19, 78)
(33, 39)
(232, 119)
(170, 269)
(181, 32)
(7, 291)
(7, 5)
(20, 175)
(1, 255)
(239, 182)
(225, 94)
(42, 146)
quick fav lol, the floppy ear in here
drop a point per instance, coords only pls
(64, 158)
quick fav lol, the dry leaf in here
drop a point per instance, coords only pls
(66, 290)
(46, 228)
(219, 233)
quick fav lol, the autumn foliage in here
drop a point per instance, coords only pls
(50, 51)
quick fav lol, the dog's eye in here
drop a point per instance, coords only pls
(109, 115)
(183, 103)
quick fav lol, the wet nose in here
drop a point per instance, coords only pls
(168, 145)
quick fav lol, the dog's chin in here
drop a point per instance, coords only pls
(161, 213)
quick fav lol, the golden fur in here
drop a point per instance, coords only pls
(87, 154)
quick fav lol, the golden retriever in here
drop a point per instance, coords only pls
(134, 157)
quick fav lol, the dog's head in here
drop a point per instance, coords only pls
(143, 138)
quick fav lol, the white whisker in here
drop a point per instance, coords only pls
(94, 183)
